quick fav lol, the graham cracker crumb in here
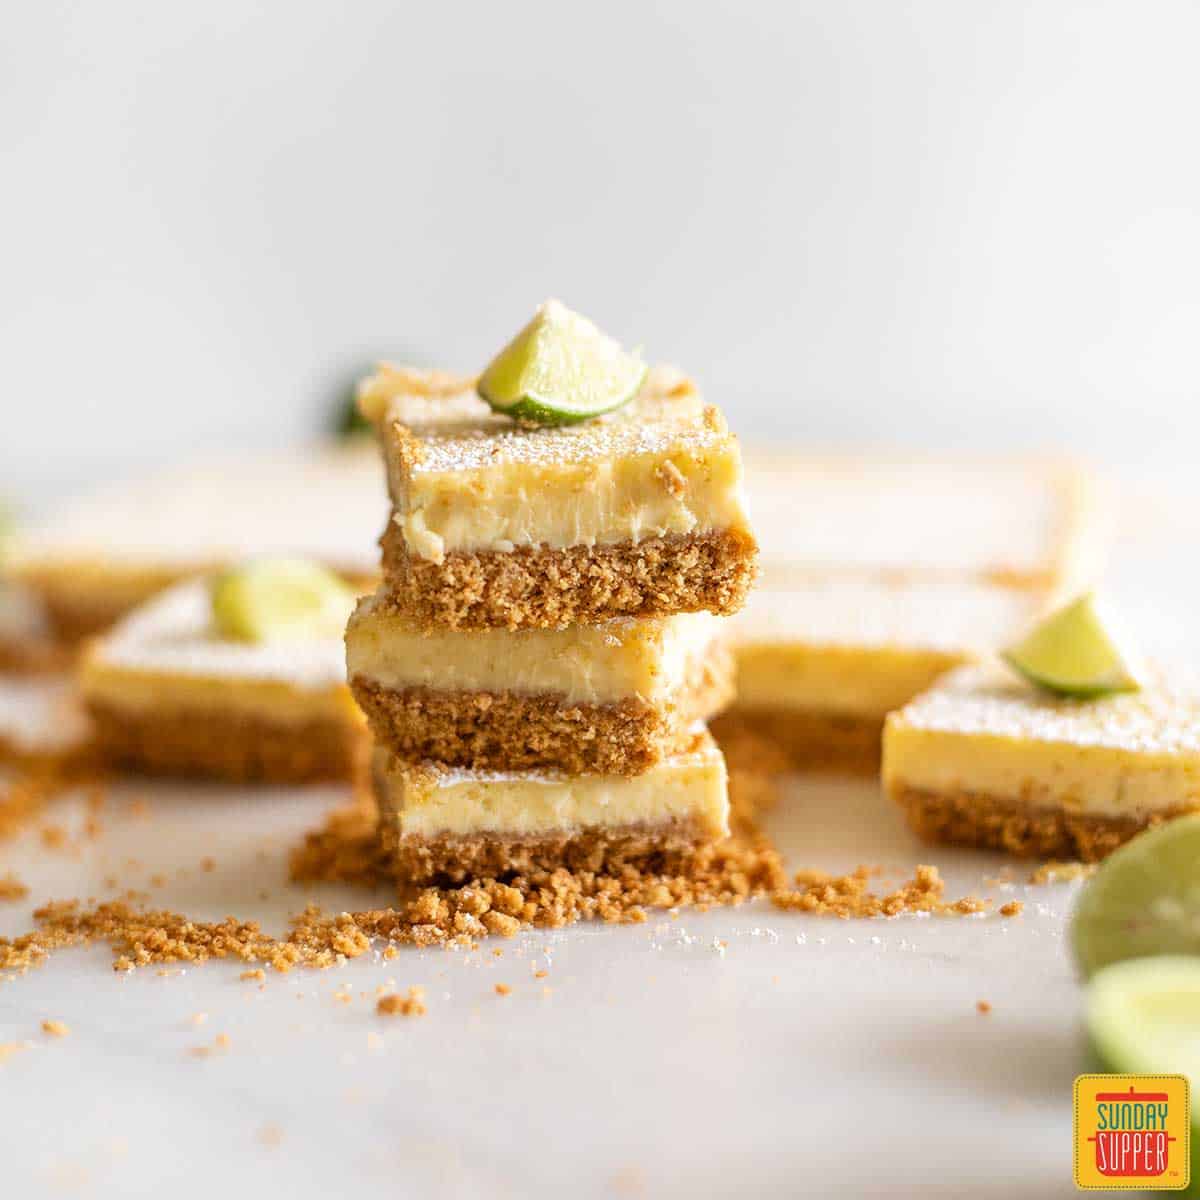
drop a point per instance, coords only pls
(8, 1049)
(672, 478)
(983, 1007)
(1013, 908)
(847, 896)
(199, 1018)
(11, 888)
(412, 1005)
(55, 1028)
(270, 1135)
(502, 989)
(1062, 872)
(540, 974)
(257, 973)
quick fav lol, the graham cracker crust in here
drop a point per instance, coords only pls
(1001, 823)
(665, 849)
(810, 740)
(537, 587)
(507, 731)
(228, 746)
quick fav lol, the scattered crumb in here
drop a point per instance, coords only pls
(54, 837)
(208, 864)
(56, 1029)
(11, 888)
(502, 989)
(847, 896)
(1013, 908)
(540, 974)
(199, 1018)
(222, 1041)
(412, 1005)
(982, 1006)
(270, 1135)
(1062, 872)
(8, 1049)
(257, 973)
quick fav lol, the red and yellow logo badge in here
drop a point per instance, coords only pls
(1131, 1132)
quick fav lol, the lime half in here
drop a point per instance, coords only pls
(560, 369)
(1071, 653)
(280, 599)
(1142, 1017)
(1144, 899)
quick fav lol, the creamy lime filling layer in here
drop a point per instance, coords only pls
(436, 802)
(166, 655)
(464, 478)
(982, 731)
(652, 659)
(865, 648)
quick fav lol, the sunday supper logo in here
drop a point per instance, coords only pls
(1131, 1132)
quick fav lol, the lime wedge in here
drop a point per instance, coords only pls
(1072, 654)
(1142, 1018)
(1144, 899)
(280, 599)
(560, 369)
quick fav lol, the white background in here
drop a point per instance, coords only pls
(943, 223)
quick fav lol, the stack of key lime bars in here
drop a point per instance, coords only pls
(537, 666)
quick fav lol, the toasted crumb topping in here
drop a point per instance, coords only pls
(1062, 872)
(848, 896)
(411, 1005)
(11, 888)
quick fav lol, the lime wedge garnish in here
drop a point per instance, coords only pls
(1072, 654)
(560, 369)
(1142, 1016)
(280, 599)
(1144, 899)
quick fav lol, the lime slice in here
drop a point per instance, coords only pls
(1072, 654)
(1142, 1016)
(1144, 899)
(560, 369)
(280, 599)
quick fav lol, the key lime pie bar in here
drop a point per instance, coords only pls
(105, 554)
(986, 758)
(821, 662)
(179, 687)
(609, 698)
(445, 823)
(1021, 523)
(502, 523)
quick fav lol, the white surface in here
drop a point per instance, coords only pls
(810, 1055)
(943, 222)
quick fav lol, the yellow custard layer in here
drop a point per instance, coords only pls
(167, 656)
(865, 648)
(651, 659)
(983, 730)
(463, 478)
(438, 802)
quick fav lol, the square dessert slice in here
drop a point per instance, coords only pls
(821, 662)
(986, 759)
(444, 823)
(609, 698)
(168, 694)
(100, 557)
(496, 524)
(1025, 523)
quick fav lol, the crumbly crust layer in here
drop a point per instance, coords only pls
(810, 740)
(667, 849)
(537, 587)
(506, 731)
(227, 745)
(1001, 823)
